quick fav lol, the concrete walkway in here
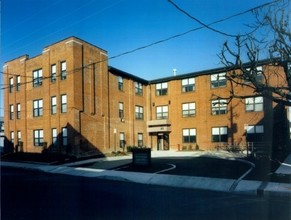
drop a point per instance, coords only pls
(191, 182)
(285, 167)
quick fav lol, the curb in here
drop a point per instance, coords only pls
(248, 187)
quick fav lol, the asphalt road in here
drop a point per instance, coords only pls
(28, 194)
(198, 166)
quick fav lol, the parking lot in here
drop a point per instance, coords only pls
(201, 166)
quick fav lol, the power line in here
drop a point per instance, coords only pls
(200, 22)
(151, 44)
(63, 28)
(208, 26)
(41, 11)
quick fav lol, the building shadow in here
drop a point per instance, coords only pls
(73, 143)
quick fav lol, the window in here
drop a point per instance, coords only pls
(218, 80)
(63, 70)
(189, 135)
(254, 104)
(64, 136)
(162, 112)
(256, 74)
(63, 103)
(1, 126)
(11, 112)
(140, 139)
(18, 137)
(18, 110)
(54, 137)
(219, 134)
(12, 136)
(219, 107)
(120, 83)
(188, 109)
(53, 73)
(121, 140)
(138, 88)
(138, 112)
(255, 133)
(53, 105)
(121, 110)
(37, 108)
(17, 83)
(161, 89)
(188, 85)
(11, 84)
(38, 137)
(37, 78)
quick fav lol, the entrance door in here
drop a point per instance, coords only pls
(163, 141)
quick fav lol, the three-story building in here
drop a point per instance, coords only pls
(68, 99)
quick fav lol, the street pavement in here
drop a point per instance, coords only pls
(104, 169)
(285, 167)
(34, 195)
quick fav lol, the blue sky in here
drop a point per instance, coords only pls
(119, 26)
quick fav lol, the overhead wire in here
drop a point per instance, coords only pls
(208, 26)
(65, 27)
(154, 43)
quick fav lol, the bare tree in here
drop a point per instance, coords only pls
(271, 38)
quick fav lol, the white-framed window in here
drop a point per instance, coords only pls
(38, 137)
(219, 107)
(37, 77)
(162, 112)
(254, 104)
(138, 88)
(121, 110)
(18, 137)
(140, 139)
(256, 74)
(12, 137)
(138, 112)
(53, 73)
(219, 134)
(218, 80)
(162, 89)
(121, 140)
(53, 105)
(65, 136)
(189, 135)
(11, 112)
(255, 133)
(120, 83)
(63, 103)
(189, 109)
(11, 84)
(18, 78)
(188, 85)
(38, 108)
(1, 126)
(63, 70)
(54, 136)
(18, 110)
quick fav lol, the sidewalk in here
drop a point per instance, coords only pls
(191, 182)
(285, 167)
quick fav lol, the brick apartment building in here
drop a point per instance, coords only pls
(68, 99)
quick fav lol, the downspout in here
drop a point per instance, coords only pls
(83, 101)
(151, 105)
(94, 90)
(108, 106)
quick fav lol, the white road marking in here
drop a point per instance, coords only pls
(171, 168)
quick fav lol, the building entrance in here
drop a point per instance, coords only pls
(163, 141)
